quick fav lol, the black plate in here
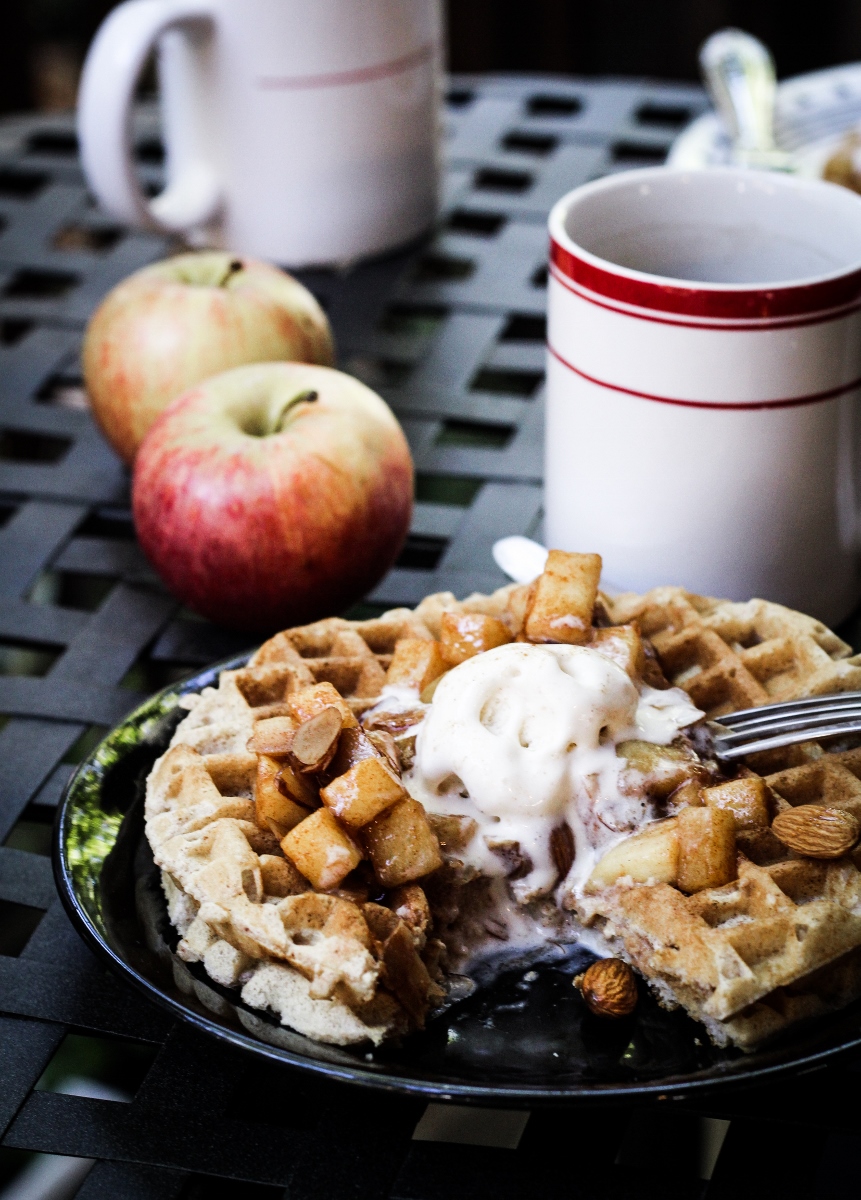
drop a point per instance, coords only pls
(528, 1037)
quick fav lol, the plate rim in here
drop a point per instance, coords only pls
(391, 1082)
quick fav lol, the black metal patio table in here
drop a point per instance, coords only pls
(451, 333)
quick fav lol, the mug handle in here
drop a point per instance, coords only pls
(111, 71)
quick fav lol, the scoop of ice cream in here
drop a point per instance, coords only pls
(508, 721)
(524, 737)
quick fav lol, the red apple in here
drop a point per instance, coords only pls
(176, 322)
(273, 494)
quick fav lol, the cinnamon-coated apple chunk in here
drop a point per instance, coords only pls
(464, 635)
(658, 769)
(401, 844)
(707, 853)
(272, 808)
(273, 736)
(746, 799)
(651, 856)
(415, 663)
(561, 609)
(322, 850)
(311, 700)
(363, 792)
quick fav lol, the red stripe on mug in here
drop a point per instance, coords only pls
(737, 304)
(290, 83)
(760, 323)
(791, 402)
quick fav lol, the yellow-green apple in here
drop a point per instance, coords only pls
(273, 494)
(176, 322)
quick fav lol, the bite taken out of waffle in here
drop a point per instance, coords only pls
(371, 810)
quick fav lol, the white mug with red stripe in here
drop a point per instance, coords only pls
(704, 374)
(302, 131)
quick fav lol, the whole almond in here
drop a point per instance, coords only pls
(817, 831)
(315, 741)
(609, 988)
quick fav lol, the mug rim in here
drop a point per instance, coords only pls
(572, 264)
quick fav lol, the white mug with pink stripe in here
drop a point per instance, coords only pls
(704, 373)
(302, 131)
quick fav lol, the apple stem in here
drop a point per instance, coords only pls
(235, 265)
(302, 398)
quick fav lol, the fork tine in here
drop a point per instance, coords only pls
(779, 722)
(788, 708)
(790, 737)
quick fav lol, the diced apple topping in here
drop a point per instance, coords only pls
(280, 877)
(273, 736)
(272, 808)
(464, 635)
(623, 645)
(707, 855)
(452, 832)
(416, 663)
(322, 850)
(746, 799)
(401, 844)
(659, 769)
(561, 608)
(363, 792)
(312, 700)
(651, 856)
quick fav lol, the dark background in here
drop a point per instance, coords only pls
(42, 42)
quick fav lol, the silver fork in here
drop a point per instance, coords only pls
(773, 725)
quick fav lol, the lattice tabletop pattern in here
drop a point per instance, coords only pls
(451, 333)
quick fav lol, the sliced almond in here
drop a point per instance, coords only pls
(385, 744)
(395, 723)
(315, 741)
(817, 831)
(297, 786)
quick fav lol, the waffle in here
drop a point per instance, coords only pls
(225, 881)
(239, 906)
(351, 655)
(729, 656)
(734, 957)
(779, 944)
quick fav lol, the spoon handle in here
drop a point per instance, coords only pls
(739, 74)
